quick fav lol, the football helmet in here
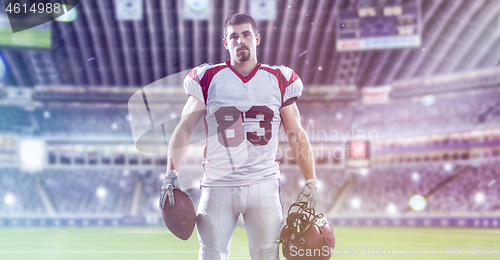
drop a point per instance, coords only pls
(306, 236)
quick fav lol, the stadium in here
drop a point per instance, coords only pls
(400, 102)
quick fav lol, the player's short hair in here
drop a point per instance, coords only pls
(237, 19)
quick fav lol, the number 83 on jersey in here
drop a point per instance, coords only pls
(231, 130)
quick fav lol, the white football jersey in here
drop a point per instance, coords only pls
(242, 120)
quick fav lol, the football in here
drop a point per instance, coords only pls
(181, 218)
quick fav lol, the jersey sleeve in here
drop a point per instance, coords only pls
(192, 85)
(293, 87)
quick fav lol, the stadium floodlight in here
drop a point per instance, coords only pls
(320, 184)
(31, 155)
(415, 176)
(9, 199)
(123, 183)
(428, 100)
(448, 167)
(418, 202)
(338, 115)
(302, 182)
(479, 198)
(79, 148)
(356, 202)
(154, 203)
(391, 209)
(101, 192)
(129, 10)
(263, 10)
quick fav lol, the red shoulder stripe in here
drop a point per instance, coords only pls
(207, 79)
(282, 82)
(293, 78)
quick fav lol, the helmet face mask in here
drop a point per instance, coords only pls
(306, 235)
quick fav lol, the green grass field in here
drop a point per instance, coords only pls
(157, 243)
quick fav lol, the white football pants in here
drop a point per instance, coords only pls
(218, 212)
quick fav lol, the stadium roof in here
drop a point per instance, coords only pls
(98, 50)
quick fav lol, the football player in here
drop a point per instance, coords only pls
(244, 103)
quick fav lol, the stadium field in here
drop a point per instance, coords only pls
(157, 243)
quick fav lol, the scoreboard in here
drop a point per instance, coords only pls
(372, 28)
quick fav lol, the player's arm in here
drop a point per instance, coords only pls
(301, 152)
(192, 112)
(298, 140)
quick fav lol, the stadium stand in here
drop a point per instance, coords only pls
(77, 191)
(86, 120)
(475, 190)
(14, 119)
(471, 190)
(453, 113)
(18, 192)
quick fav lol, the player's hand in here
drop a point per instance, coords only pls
(167, 189)
(309, 193)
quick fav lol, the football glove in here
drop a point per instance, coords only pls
(309, 193)
(167, 189)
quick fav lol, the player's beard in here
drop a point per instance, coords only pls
(243, 55)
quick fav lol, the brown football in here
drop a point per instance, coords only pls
(181, 218)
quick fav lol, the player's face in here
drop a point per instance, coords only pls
(241, 42)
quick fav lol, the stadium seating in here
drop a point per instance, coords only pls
(18, 193)
(89, 191)
(83, 121)
(110, 191)
(473, 190)
(447, 114)
(15, 120)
